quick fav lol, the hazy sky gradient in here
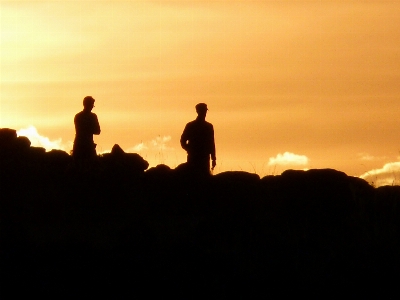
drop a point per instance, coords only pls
(318, 79)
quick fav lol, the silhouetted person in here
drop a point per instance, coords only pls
(86, 125)
(198, 140)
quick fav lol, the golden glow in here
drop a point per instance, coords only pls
(312, 78)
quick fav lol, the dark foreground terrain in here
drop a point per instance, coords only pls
(120, 231)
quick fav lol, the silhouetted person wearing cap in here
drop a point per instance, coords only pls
(86, 125)
(198, 140)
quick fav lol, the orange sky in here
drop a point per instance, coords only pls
(317, 80)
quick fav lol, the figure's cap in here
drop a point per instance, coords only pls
(88, 100)
(201, 107)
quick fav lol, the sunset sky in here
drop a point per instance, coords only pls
(289, 84)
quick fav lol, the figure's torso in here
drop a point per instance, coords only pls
(86, 124)
(200, 137)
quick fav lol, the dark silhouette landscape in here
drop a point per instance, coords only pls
(121, 230)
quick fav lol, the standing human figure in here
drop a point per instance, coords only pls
(86, 125)
(198, 141)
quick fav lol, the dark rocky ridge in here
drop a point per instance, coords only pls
(119, 229)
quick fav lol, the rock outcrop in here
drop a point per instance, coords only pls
(122, 231)
(118, 161)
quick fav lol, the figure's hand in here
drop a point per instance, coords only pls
(214, 163)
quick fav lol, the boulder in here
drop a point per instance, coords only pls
(7, 135)
(21, 143)
(237, 177)
(120, 161)
(57, 161)
(117, 151)
(158, 171)
(8, 138)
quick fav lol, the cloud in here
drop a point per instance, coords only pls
(156, 151)
(138, 148)
(389, 174)
(368, 157)
(157, 144)
(161, 142)
(38, 140)
(288, 158)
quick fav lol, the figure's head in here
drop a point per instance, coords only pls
(88, 102)
(201, 109)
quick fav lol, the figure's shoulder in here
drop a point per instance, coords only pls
(191, 124)
(209, 125)
(78, 115)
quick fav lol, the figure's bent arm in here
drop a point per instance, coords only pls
(184, 139)
(96, 126)
(213, 157)
(183, 142)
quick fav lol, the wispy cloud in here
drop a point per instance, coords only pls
(287, 159)
(368, 157)
(157, 144)
(161, 142)
(156, 151)
(389, 174)
(38, 140)
(138, 148)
